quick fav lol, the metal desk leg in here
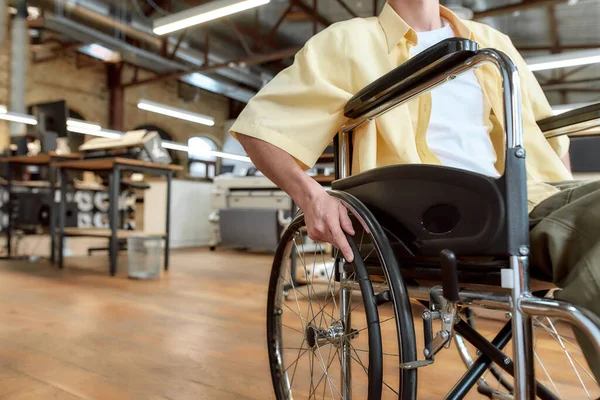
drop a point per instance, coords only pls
(52, 211)
(169, 176)
(61, 215)
(115, 181)
(9, 209)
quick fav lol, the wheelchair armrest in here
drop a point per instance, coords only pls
(432, 62)
(572, 121)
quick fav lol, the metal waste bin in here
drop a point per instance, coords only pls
(144, 253)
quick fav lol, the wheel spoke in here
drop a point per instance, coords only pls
(569, 357)
(367, 372)
(294, 329)
(289, 308)
(295, 363)
(308, 282)
(547, 374)
(306, 297)
(311, 356)
(330, 283)
(298, 305)
(384, 353)
(332, 300)
(325, 369)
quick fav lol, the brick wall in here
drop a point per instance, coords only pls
(85, 90)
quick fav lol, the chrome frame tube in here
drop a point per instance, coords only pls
(586, 321)
(511, 94)
(522, 334)
(346, 351)
(344, 154)
(468, 298)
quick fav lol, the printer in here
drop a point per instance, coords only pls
(248, 212)
(140, 144)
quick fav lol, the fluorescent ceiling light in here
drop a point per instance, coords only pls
(564, 60)
(83, 124)
(107, 133)
(175, 146)
(175, 112)
(563, 108)
(17, 117)
(204, 13)
(100, 52)
(230, 156)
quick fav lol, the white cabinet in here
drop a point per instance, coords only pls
(190, 208)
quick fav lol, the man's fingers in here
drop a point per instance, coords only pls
(340, 241)
(345, 221)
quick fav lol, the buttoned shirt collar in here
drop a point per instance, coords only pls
(396, 29)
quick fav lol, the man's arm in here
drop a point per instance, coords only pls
(326, 218)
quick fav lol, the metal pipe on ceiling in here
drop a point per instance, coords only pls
(251, 60)
(98, 12)
(143, 58)
(18, 64)
(511, 8)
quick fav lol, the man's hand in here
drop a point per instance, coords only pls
(326, 221)
(326, 218)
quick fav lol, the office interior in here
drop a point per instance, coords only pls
(137, 235)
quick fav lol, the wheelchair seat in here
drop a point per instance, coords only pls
(430, 208)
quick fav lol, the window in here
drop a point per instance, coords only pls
(202, 163)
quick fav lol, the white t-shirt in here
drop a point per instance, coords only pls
(457, 133)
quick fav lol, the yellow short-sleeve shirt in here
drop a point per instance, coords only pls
(301, 109)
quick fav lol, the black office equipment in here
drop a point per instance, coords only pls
(227, 169)
(584, 152)
(52, 117)
(21, 143)
(33, 209)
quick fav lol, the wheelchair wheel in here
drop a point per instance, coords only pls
(560, 365)
(345, 329)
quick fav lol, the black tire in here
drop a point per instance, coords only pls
(396, 294)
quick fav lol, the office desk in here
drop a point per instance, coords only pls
(113, 166)
(42, 159)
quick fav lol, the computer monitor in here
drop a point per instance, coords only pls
(52, 117)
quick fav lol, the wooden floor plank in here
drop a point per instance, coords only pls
(196, 333)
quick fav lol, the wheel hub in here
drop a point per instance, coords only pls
(317, 337)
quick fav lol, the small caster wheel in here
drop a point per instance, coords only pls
(212, 248)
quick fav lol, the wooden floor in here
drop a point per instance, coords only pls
(197, 333)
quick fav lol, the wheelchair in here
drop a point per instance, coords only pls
(435, 249)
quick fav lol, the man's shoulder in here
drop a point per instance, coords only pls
(351, 31)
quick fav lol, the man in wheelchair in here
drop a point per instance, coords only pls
(460, 124)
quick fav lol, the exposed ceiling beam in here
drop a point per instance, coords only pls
(347, 8)
(298, 16)
(561, 48)
(553, 25)
(271, 34)
(511, 8)
(242, 62)
(569, 85)
(58, 52)
(312, 12)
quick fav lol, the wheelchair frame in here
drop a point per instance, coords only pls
(521, 302)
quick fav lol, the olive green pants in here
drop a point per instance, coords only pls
(565, 248)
